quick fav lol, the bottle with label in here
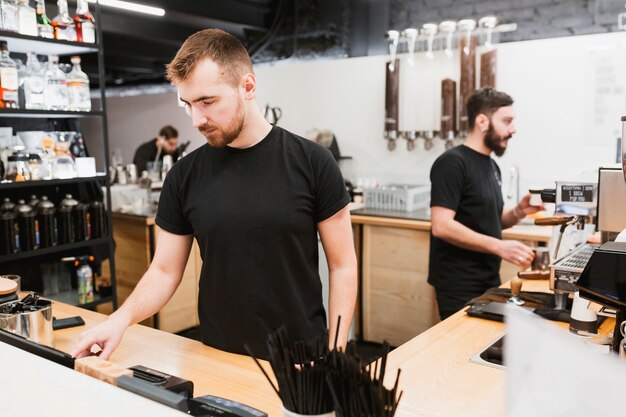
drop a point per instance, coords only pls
(84, 279)
(64, 28)
(78, 87)
(34, 83)
(55, 86)
(85, 23)
(26, 19)
(44, 24)
(8, 10)
(8, 79)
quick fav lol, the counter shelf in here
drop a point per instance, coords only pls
(53, 182)
(48, 114)
(42, 46)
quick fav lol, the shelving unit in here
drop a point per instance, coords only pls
(105, 245)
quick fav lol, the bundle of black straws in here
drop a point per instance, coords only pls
(315, 380)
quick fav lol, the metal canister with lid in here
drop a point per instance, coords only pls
(27, 220)
(82, 227)
(97, 219)
(9, 228)
(47, 222)
(66, 232)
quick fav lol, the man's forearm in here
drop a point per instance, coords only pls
(462, 236)
(152, 292)
(510, 217)
(342, 299)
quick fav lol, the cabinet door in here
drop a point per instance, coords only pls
(398, 303)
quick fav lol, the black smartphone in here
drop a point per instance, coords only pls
(58, 324)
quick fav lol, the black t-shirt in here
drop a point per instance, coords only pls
(469, 183)
(254, 213)
(145, 153)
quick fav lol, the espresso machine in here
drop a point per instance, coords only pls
(576, 205)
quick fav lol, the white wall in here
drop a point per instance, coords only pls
(549, 80)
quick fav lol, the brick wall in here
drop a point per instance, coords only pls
(535, 18)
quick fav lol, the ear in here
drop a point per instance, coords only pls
(249, 86)
(482, 123)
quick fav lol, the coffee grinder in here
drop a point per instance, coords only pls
(575, 206)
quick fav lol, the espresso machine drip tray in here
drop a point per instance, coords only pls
(566, 270)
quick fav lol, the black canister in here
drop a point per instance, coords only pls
(9, 232)
(47, 222)
(27, 220)
(33, 202)
(82, 228)
(65, 220)
(7, 205)
(97, 218)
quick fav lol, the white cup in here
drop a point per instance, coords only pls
(85, 166)
(535, 196)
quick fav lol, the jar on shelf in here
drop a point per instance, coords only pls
(17, 168)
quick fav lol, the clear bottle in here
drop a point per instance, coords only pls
(78, 88)
(9, 81)
(85, 23)
(8, 10)
(26, 19)
(64, 28)
(44, 24)
(55, 86)
(34, 83)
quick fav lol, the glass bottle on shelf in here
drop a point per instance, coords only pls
(44, 25)
(8, 10)
(78, 88)
(64, 28)
(9, 82)
(55, 86)
(34, 83)
(26, 19)
(85, 23)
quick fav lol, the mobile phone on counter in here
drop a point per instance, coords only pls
(58, 324)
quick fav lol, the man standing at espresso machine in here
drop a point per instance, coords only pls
(466, 246)
(254, 197)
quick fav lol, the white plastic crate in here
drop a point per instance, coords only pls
(397, 197)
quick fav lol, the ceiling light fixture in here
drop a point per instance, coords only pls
(126, 5)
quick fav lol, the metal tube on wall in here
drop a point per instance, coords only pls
(392, 87)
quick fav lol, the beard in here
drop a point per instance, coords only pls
(495, 142)
(218, 137)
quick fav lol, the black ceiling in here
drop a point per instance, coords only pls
(137, 46)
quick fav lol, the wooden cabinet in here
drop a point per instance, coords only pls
(135, 238)
(397, 303)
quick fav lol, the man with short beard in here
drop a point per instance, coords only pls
(255, 198)
(467, 216)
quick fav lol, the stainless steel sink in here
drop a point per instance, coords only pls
(492, 355)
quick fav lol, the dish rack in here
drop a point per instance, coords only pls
(397, 197)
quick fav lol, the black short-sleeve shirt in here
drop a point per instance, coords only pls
(254, 212)
(469, 183)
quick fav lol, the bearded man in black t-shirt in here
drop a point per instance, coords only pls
(255, 198)
(466, 246)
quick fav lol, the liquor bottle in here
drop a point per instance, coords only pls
(34, 83)
(64, 28)
(26, 19)
(44, 25)
(8, 10)
(55, 86)
(8, 79)
(78, 88)
(85, 23)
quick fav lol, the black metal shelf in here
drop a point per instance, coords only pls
(25, 43)
(45, 183)
(54, 249)
(48, 114)
(71, 297)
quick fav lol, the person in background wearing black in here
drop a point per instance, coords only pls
(166, 143)
(255, 197)
(466, 246)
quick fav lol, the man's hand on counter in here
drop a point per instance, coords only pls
(107, 336)
(515, 252)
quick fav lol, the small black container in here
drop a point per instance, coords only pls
(97, 219)
(27, 220)
(46, 217)
(80, 216)
(7, 205)
(65, 220)
(33, 202)
(9, 233)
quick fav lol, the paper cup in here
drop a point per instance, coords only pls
(85, 166)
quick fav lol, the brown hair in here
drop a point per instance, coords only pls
(220, 47)
(168, 132)
(485, 101)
